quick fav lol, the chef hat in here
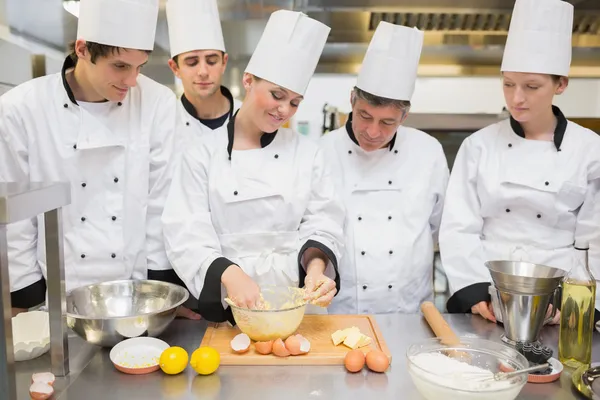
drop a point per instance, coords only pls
(289, 50)
(130, 24)
(539, 38)
(389, 68)
(194, 25)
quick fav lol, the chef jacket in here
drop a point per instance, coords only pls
(190, 128)
(510, 198)
(394, 199)
(117, 157)
(259, 209)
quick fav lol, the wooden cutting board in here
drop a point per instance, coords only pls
(316, 328)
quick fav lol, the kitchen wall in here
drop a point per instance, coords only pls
(461, 95)
(15, 67)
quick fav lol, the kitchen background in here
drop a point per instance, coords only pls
(458, 90)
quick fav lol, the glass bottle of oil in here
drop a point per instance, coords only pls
(577, 312)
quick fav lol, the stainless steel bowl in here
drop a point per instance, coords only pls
(106, 313)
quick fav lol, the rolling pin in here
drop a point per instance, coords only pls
(438, 324)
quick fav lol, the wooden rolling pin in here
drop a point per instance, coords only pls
(438, 324)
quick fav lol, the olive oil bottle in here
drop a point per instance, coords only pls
(577, 312)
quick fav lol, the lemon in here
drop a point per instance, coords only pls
(173, 360)
(205, 360)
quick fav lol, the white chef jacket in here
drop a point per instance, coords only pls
(117, 157)
(394, 199)
(259, 209)
(190, 125)
(515, 199)
(190, 129)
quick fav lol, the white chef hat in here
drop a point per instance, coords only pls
(289, 50)
(539, 38)
(194, 25)
(389, 68)
(130, 24)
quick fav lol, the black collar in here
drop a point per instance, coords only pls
(68, 64)
(265, 139)
(189, 107)
(353, 137)
(559, 131)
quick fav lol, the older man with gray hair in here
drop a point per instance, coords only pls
(393, 180)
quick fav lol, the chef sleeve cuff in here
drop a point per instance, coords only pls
(462, 301)
(331, 270)
(167, 275)
(210, 304)
(30, 296)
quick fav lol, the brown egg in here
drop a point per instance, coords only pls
(354, 360)
(264, 347)
(377, 361)
(293, 343)
(279, 348)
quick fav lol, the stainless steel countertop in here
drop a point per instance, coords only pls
(93, 376)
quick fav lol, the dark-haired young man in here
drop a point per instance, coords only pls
(199, 60)
(393, 179)
(107, 130)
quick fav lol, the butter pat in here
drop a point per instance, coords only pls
(353, 339)
(338, 337)
(364, 341)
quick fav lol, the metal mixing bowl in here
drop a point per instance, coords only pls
(435, 382)
(280, 319)
(106, 313)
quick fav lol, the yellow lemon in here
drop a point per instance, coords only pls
(205, 360)
(173, 360)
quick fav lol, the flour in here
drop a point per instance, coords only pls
(438, 375)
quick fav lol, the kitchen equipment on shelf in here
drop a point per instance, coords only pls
(525, 291)
(333, 118)
(107, 313)
(279, 315)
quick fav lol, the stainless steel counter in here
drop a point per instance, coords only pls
(93, 376)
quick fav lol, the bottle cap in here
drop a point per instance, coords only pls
(582, 244)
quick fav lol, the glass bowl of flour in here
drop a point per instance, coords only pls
(463, 371)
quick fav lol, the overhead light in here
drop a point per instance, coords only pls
(72, 6)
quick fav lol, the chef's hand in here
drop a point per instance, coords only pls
(556, 319)
(186, 313)
(485, 310)
(320, 289)
(241, 289)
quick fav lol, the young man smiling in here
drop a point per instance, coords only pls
(107, 130)
(199, 60)
(393, 181)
